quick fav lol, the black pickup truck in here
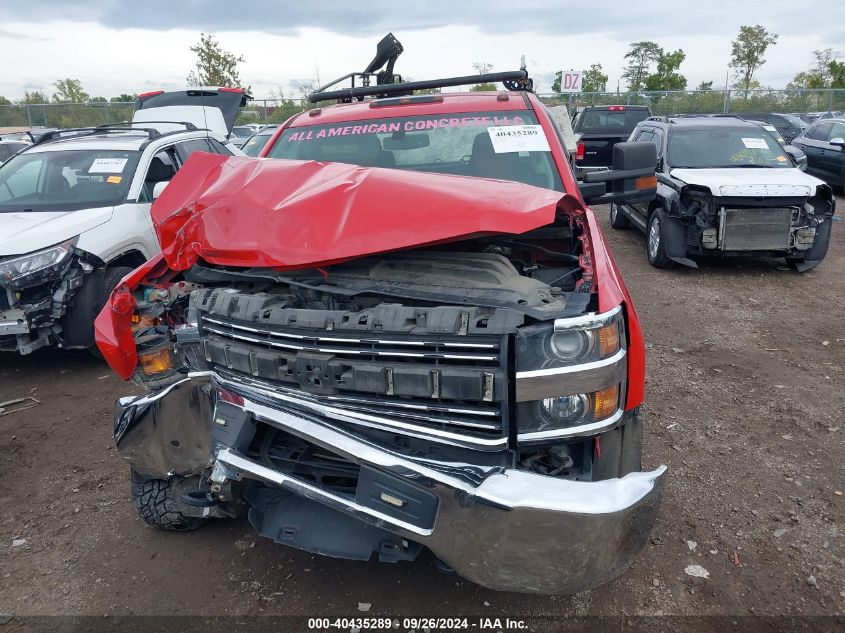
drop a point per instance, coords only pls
(598, 128)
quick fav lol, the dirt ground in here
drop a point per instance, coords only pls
(745, 401)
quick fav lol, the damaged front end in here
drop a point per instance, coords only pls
(477, 395)
(750, 220)
(43, 296)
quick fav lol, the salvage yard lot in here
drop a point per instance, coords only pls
(744, 402)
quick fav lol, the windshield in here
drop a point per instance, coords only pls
(725, 148)
(242, 132)
(620, 122)
(473, 144)
(256, 143)
(66, 180)
(796, 121)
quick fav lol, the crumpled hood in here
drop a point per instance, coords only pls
(751, 182)
(24, 232)
(239, 211)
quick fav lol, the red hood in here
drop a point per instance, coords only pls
(237, 211)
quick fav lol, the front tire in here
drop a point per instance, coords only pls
(656, 241)
(157, 503)
(617, 220)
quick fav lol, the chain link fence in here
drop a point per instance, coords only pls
(710, 101)
(266, 111)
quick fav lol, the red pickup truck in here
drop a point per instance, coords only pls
(401, 329)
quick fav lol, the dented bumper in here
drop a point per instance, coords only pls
(502, 528)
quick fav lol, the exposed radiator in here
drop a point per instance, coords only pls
(756, 229)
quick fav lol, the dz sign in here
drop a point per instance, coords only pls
(570, 81)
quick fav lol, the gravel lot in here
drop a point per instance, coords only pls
(745, 401)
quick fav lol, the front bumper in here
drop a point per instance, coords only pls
(18, 332)
(502, 528)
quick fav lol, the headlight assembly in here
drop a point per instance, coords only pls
(19, 271)
(570, 341)
(575, 414)
(571, 376)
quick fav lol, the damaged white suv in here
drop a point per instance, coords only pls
(725, 188)
(75, 211)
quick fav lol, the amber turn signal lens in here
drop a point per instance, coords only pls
(608, 340)
(646, 182)
(156, 362)
(606, 402)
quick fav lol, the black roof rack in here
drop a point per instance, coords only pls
(388, 83)
(151, 133)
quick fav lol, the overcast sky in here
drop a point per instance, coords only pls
(126, 46)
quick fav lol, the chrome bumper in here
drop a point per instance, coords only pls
(501, 528)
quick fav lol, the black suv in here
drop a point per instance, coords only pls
(725, 186)
(598, 128)
(789, 125)
(824, 145)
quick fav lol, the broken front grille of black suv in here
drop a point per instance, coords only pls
(446, 387)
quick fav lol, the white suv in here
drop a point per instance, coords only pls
(75, 211)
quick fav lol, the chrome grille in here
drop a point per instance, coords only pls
(354, 346)
(756, 229)
(448, 388)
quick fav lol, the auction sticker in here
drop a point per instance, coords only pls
(518, 138)
(755, 143)
(107, 166)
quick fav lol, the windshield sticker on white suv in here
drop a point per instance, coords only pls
(518, 138)
(755, 143)
(108, 166)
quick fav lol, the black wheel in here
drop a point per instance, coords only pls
(111, 278)
(157, 501)
(656, 241)
(617, 219)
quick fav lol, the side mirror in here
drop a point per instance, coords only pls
(632, 178)
(797, 155)
(838, 142)
(159, 188)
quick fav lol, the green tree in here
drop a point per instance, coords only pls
(666, 77)
(123, 98)
(705, 85)
(640, 56)
(819, 74)
(594, 79)
(281, 107)
(34, 97)
(837, 74)
(821, 66)
(11, 114)
(482, 68)
(215, 66)
(69, 91)
(801, 80)
(748, 53)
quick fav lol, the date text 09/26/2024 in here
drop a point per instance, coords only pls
(416, 624)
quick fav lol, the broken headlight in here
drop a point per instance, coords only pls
(50, 262)
(570, 377)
